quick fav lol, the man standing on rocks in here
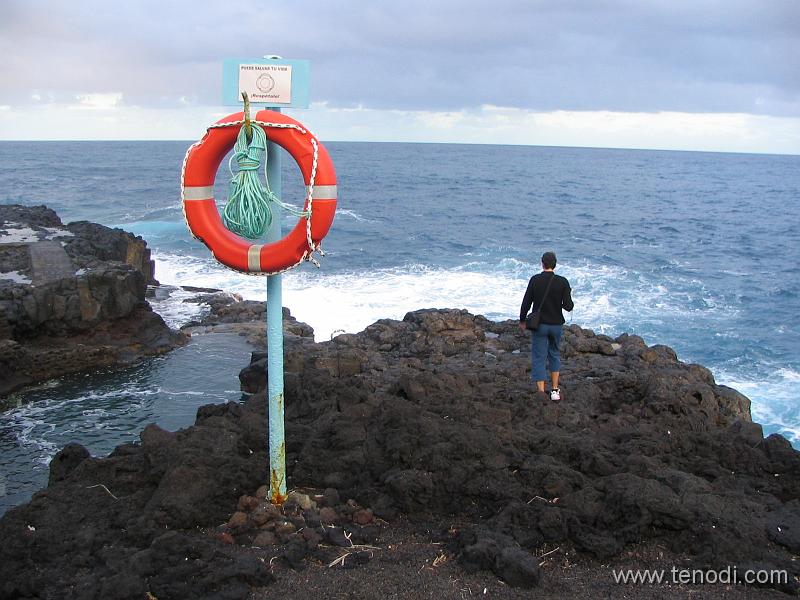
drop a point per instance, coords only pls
(548, 293)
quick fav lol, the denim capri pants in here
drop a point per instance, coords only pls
(545, 353)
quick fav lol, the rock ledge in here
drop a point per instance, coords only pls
(72, 298)
(432, 417)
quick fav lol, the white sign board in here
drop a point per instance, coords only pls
(270, 84)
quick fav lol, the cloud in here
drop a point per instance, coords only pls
(489, 124)
(722, 132)
(731, 56)
(578, 72)
(107, 101)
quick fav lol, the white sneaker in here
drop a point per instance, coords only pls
(555, 395)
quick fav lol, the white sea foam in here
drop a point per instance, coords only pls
(351, 301)
(340, 212)
(606, 299)
(788, 375)
(174, 310)
(33, 424)
(30, 434)
(774, 400)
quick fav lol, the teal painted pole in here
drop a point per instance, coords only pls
(277, 442)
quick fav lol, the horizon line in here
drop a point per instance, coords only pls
(191, 141)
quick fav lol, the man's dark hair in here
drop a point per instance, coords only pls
(549, 260)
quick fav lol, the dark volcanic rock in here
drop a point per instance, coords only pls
(72, 298)
(492, 551)
(114, 519)
(229, 313)
(67, 459)
(434, 414)
(94, 244)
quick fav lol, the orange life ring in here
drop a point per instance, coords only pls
(200, 209)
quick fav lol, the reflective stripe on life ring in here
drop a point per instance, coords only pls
(204, 221)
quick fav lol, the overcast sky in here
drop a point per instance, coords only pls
(717, 75)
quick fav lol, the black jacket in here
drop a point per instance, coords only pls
(559, 296)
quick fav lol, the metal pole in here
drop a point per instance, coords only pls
(277, 443)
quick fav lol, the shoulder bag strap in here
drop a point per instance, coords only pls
(547, 289)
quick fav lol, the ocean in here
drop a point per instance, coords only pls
(698, 251)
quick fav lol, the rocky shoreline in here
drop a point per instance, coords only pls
(428, 430)
(72, 298)
(416, 451)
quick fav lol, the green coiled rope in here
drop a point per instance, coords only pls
(247, 212)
